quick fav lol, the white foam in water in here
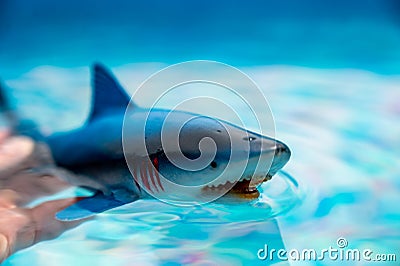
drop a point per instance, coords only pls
(344, 132)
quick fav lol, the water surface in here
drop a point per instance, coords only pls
(342, 127)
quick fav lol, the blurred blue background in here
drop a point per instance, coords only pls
(330, 34)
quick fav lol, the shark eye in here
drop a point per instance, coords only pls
(249, 138)
(213, 164)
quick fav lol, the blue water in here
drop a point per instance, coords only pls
(331, 75)
(346, 34)
(149, 232)
(342, 127)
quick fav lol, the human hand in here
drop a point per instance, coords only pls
(20, 183)
(23, 227)
(25, 168)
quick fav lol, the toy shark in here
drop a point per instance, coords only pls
(104, 154)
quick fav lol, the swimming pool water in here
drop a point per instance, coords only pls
(343, 128)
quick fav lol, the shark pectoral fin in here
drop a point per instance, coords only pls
(88, 207)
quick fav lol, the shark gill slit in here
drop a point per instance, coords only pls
(143, 173)
(135, 177)
(158, 180)
(151, 174)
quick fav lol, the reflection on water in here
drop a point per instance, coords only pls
(278, 196)
(343, 129)
(155, 232)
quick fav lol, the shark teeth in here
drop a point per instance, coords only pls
(227, 186)
(245, 185)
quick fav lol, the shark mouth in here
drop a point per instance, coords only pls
(244, 188)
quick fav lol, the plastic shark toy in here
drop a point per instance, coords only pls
(104, 156)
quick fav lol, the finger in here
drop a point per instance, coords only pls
(9, 198)
(4, 248)
(47, 226)
(25, 227)
(4, 133)
(16, 227)
(14, 151)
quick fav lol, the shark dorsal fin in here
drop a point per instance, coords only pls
(108, 94)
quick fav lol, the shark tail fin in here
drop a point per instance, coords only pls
(108, 94)
(18, 125)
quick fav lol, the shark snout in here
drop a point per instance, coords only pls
(272, 153)
(281, 157)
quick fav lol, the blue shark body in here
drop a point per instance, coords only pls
(96, 155)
